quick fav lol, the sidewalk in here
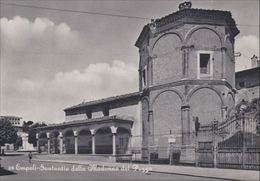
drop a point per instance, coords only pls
(231, 174)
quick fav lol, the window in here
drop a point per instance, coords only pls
(205, 65)
(144, 76)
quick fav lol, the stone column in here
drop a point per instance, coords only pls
(61, 142)
(48, 143)
(114, 131)
(93, 141)
(38, 143)
(185, 118)
(185, 60)
(215, 142)
(76, 141)
(223, 63)
(151, 127)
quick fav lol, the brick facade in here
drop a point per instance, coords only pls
(171, 74)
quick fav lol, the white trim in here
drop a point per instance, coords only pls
(210, 75)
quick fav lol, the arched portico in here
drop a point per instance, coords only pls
(108, 135)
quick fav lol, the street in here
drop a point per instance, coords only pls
(23, 170)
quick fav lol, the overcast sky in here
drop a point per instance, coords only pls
(51, 60)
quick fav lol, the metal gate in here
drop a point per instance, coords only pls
(232, 144)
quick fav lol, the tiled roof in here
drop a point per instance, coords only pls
(87, 121)
(192, 13)
(105, 100)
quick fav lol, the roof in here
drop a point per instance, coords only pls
(109, 100)
(248, 71)
(88, 122)
(10, 117)
(190, 15)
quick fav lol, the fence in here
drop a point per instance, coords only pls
(234, 143)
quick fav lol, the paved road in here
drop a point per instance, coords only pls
(18, 163)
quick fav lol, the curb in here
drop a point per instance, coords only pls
(153, 171)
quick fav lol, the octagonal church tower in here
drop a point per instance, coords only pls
(186, 70)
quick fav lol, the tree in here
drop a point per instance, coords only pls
(32, 133)
(26, 126)
(8, 134)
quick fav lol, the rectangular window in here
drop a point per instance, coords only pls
(205, 64)
(144, 77)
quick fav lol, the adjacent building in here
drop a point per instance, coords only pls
(18, 125)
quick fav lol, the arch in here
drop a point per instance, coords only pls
(206, 103)
(199, 27)
(103, 140)
(204, 87)
(54, 142)
(122, 140)
(68, 132)
(166, 53)
(170, 90)
(54, 133)
(83, 128)
(166, 108)
(84, 132)
(173, 32)
(69, 141)
(232, 95)
(43, 142)
(230, 103)
(84, 141)
(145, 98)
(42, 135)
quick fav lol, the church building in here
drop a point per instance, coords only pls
(186, 73)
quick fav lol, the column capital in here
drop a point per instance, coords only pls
(224, 107)
(187, 47)
(113, 129)
(75, 133)
(223, 49)
(185, 107)
(150, 111)
(48, 135)
(92, 131)
(60, 134)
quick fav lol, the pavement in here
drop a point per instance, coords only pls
(18, 168)
(215, 173)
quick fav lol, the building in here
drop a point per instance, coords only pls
(18, 125)
(186, 72)
(248, 83)
(16, 122)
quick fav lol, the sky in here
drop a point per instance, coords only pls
(51, 60)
